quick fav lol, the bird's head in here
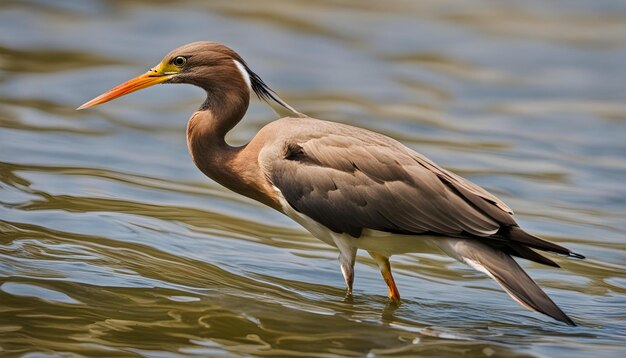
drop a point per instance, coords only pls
(204, 64)
(209, 65)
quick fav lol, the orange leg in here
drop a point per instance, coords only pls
(385, 270)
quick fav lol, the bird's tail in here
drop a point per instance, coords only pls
(507, 273)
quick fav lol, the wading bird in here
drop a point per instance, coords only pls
(350, 187)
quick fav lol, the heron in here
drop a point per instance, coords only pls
(350, 187)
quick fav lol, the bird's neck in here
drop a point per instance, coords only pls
(207, 129)
(233, 167)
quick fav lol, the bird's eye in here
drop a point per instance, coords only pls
(180, 61)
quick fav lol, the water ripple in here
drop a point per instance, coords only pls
(113, 244)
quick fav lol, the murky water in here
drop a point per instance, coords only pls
(113, 244)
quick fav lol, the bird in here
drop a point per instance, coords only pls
(350, 187)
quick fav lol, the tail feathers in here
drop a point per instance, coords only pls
(516, 234)
(519, 250)
(508, 274)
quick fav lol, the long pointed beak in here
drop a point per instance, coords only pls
(148, 79)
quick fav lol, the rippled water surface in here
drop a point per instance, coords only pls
(113, 244)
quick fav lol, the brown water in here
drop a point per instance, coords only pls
(113, 244)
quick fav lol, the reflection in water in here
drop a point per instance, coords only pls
(113, 244)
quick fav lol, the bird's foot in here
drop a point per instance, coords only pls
(347, 268)
(394, 295)
(348, 298)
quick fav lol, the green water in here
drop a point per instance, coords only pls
(113, 244)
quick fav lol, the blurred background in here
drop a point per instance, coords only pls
(113, 244)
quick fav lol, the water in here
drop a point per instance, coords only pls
(113, 244)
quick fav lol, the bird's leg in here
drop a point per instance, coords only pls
(385, 270)
(346, 260)
(347, 256)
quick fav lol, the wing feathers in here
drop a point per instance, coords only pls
(349, 183)
(509, 275)
(518, 235)
(350, 179)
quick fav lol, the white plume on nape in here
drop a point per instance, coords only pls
(265, 93)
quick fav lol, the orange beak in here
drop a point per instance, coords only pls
(150, 78)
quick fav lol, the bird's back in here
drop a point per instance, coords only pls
(351, 178)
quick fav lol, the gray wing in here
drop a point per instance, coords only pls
(350, 180)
